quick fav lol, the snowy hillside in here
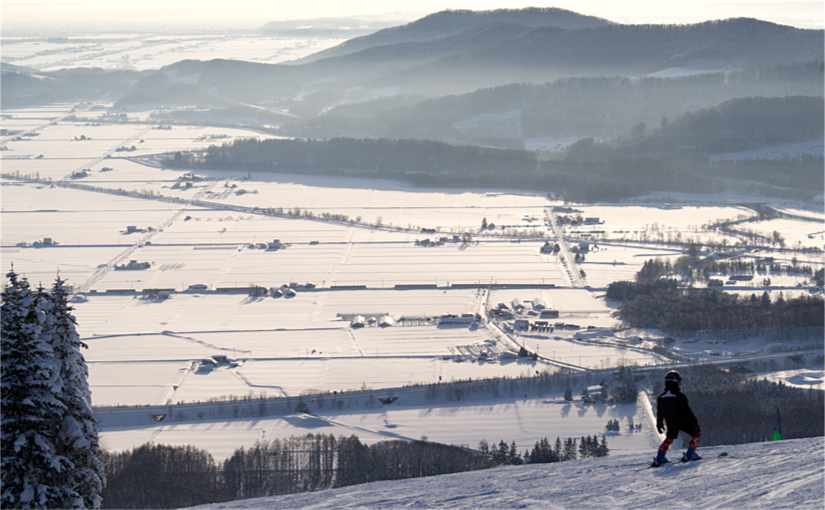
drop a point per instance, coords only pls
(786, 474)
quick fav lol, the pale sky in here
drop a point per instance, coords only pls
(70, 16)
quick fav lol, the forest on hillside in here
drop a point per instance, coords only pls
(676, 156)
(587, 106)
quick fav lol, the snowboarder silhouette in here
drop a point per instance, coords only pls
(673, 411)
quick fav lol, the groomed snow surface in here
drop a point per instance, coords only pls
(785, 474)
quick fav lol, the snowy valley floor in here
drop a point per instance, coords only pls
(786, 474)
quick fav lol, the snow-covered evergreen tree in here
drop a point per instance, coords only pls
(78, 435)
(33, 470)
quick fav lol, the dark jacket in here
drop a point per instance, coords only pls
(672, 409)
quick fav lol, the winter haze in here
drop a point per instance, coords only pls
(438, 254)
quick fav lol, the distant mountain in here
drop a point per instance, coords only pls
(327, 27)
(218, 83)
(551, 114)
(490, 77)
(25, 87)
(452, 22)
(543, 54)
(461, 51)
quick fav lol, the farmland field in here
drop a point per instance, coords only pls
(203, 312)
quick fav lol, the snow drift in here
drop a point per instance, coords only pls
(785, 474)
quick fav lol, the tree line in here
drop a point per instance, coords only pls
(543, 452)
(50, 448)
(591, 106)
(380, 158)
(656, 301)
(162, 476)
(672, 157)
(734, 407)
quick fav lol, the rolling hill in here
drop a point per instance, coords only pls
(452, 22)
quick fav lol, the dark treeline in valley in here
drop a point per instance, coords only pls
(419, 161)
(676, 156)
(161, 476)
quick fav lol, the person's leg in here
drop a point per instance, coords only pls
(691, 454)
(661, 454)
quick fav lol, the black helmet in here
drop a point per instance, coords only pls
(673, 376)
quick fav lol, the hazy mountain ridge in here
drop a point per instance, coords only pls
(451, 22)
(462, 51)
(23, 87)
(544, 54)
(569, 107)
(487, 55)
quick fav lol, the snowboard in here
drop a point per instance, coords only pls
(683, 461)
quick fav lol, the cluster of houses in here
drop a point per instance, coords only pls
(273, 245)
(384, 320)
(361, 321)
(549, 249)
(46, 242)
(284, 291)
(595, 394)
(133, 265)
(530, 315)
(537, 308)
(206, 365)
(576, 220)
(732, 280)
(438, 242)
(458, 320)
(155, 295)
(134, 229)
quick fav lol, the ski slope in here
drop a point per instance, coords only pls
(785, 474)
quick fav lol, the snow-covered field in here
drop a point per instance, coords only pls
(523, 421)
(604, 263)
(664, 223)
(375, 265)
(796, 233)
(784, 474)
(799, 378)
(106, 315)
(144, 352)
(392, 202)
(151, 51)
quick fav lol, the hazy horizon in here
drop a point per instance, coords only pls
(20, 17)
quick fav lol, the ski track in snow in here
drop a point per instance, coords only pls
(785, 474)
